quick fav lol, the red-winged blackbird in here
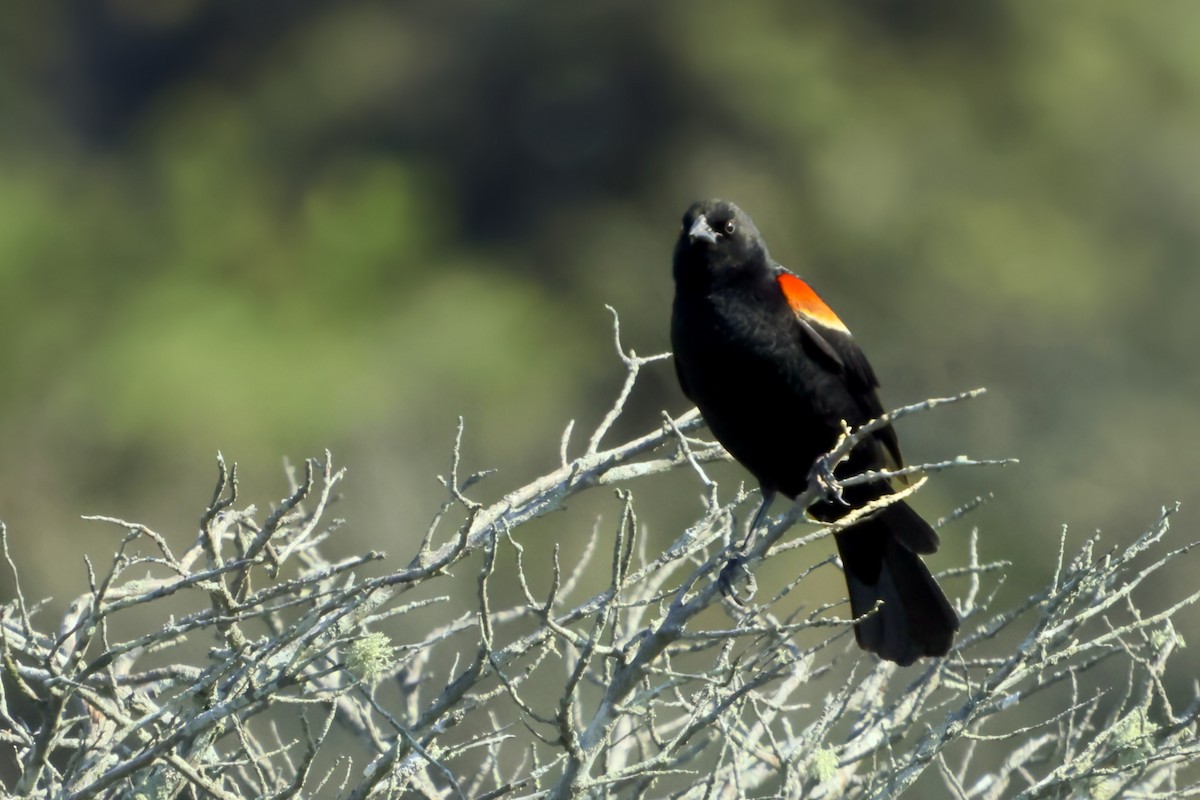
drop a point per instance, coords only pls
(774, 372)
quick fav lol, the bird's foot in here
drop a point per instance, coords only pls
(734, 572)
(828, 482)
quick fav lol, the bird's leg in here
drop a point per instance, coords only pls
(736, 566)
(760, 516)
(830, 485)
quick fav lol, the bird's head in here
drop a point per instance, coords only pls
(717, 237)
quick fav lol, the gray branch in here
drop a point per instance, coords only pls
(242, 661)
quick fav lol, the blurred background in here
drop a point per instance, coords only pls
(270, 228)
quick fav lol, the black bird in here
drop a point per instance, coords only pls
(774, 372)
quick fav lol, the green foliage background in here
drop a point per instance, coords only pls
(270, 228)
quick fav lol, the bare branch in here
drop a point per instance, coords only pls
(503, 681)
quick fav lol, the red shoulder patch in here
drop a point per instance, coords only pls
(805, 302)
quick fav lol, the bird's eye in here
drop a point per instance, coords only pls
(729, 228)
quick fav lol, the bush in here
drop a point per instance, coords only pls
(653, 686)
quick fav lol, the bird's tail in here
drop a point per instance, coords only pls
(881, 564)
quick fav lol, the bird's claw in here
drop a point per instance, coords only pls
(828, 482)
(734, 571)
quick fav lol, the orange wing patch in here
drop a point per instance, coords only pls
(804, 301)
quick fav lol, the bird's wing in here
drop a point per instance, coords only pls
(829, 340)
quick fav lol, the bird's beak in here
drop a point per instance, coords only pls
(702, 230)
